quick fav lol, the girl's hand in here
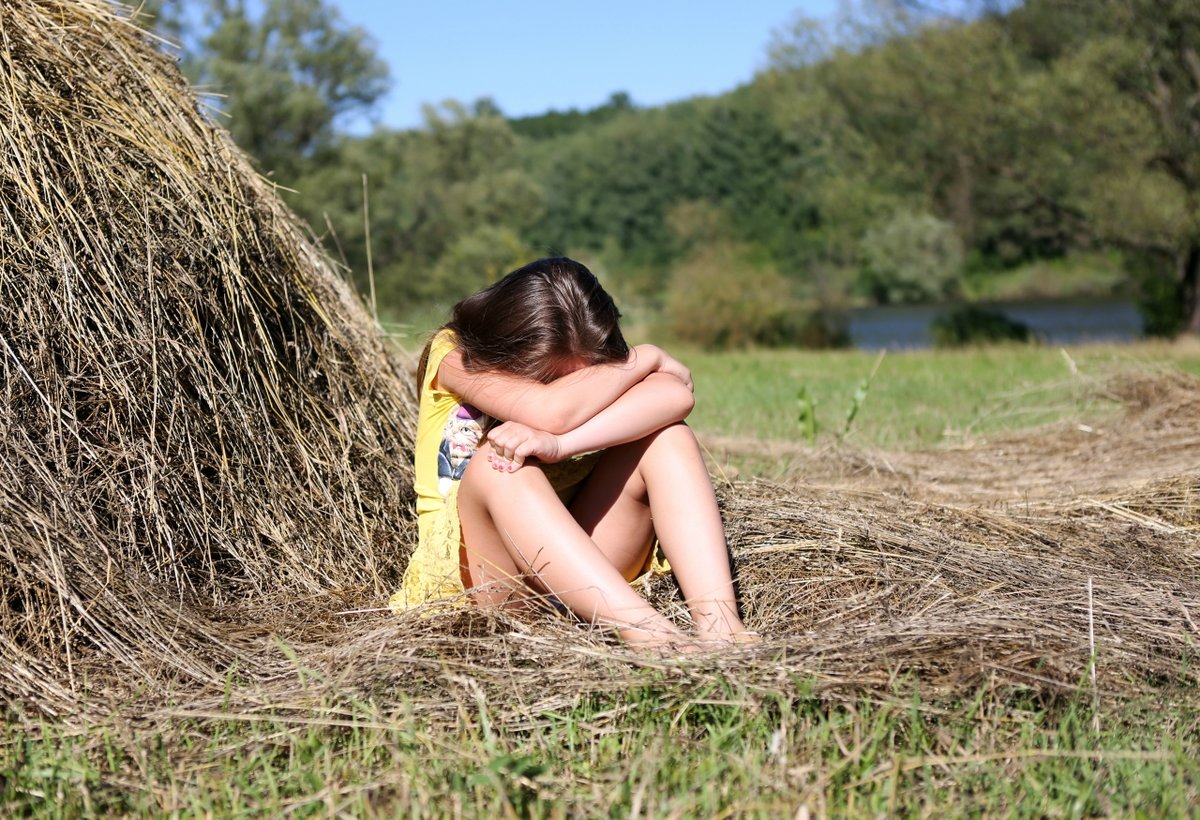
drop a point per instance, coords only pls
(513, 442)
(666, 363)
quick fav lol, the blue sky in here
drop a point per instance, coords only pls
(534, 55)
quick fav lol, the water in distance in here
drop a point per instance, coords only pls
(1068, 322)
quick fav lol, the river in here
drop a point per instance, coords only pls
(1066, 322)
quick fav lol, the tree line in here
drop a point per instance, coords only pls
(899, 154)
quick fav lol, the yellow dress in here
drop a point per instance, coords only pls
(449, 432)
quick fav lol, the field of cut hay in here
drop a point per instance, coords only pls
(205, 496)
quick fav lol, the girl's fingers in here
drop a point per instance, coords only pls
(497, 458)
(506, 458)
(512, 444)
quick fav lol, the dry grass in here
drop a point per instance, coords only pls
(1128, 423)
(196, 416)
(205, 490)
(855, 591)
(1156, 435)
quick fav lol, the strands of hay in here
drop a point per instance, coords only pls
(1161, 417)
(194, 416)
(854, 592)
(205, 490)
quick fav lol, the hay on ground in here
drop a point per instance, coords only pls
(1139, 413)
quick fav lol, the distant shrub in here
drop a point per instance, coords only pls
(973, 325)
(807, 328)
(913, 257)
(718, 298)
(475, 260)
(1159, 301)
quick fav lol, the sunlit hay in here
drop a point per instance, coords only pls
(853, 591)
(195, 415)
(875, 614)
(1157, 435)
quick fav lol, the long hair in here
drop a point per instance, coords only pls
(536, 317)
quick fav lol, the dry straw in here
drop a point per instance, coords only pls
(205, 488)
(195, 418)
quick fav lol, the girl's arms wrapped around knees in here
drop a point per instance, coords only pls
(655, 402)
(565, 403)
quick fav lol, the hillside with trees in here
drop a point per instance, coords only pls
(1045, 150)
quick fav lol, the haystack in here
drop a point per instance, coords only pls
(196, 419)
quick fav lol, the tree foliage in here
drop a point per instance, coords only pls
(285, 73)
(1158, 66)
(721, 298)
(912, 257)
(429, 193)
(881, 155)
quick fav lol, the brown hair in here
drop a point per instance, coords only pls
(534, 318)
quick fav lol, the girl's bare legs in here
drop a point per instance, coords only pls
(515, 527)
(660, 485)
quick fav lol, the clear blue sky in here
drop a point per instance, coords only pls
(534, 55)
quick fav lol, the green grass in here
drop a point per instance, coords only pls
(917, 398)
(657, 750)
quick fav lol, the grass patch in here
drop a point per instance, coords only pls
(917, 398)
(658, 750)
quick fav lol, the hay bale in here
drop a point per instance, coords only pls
(195, 413)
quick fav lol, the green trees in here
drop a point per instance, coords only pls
(611, 189)
(1157, 65)
(1036, 130)
(897, 156)
(614, 183)
(285, 76)
(449, 205)
(913, 257)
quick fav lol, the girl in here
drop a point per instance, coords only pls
(550, 454)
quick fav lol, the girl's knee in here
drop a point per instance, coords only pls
(482, 483)
(673, 435)
(479, 479)
(679, 430)
(676, 436)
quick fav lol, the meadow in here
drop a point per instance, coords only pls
(916, 398)
(777, 731)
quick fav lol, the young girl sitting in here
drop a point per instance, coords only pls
(550, 455)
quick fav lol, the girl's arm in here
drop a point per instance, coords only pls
(657, 401)
(563, 404)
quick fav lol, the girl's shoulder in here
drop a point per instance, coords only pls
(436, 349)
(443, 342)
